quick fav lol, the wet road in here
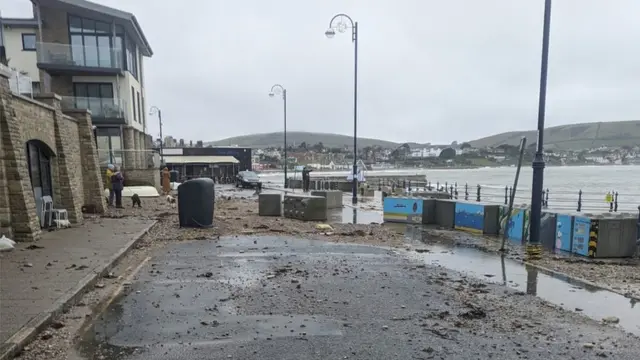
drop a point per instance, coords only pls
(284, 298)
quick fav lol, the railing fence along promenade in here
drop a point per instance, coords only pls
(578, 200)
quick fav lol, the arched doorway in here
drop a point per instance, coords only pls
(39, 163)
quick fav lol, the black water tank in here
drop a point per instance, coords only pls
(195, 203)
(173, 176)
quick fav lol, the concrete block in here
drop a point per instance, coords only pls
(445, 213)
(305, 207)
(270, 204)
(429, 211)
(334, 197)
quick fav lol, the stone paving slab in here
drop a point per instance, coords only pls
(36, 283)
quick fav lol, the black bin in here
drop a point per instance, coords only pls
(195, 203)
(173, 176)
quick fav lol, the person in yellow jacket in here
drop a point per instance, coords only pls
(112, 194)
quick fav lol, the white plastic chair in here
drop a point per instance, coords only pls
(46, 211)
(62, 217)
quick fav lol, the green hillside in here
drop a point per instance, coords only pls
(297, 137)
(572, 137)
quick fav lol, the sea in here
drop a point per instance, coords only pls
(563, 182)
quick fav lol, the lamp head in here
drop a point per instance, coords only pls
(271, 94)
(330, 33)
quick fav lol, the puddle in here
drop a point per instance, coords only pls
(556, 289)
(350, 215)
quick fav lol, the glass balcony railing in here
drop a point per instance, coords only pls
(80, 55)
(100, 107)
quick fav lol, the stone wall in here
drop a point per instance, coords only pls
(73, 161)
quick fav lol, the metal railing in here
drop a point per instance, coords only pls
(129, 159)
(100, 107)
(80, 55)
(607, 200)
(20, 84)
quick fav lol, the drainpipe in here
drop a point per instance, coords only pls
(3, 52)
(116, 60)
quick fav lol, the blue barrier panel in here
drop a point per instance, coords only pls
(402, 210)
(517, 224)
(469, 217)
(581, 229)
(564, 232)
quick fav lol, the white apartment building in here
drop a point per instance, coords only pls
(92, 56)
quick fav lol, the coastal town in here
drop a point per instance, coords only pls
(455, 155)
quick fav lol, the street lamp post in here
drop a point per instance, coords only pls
(533, 248)
(338, 23)
(278, 89)
(153, 111)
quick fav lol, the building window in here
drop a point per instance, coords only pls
(133, 102)
(29, 42)
(132, 61)
(97, 97)
(35, 87)
(92, 43)
(139, 109)
(109, 144)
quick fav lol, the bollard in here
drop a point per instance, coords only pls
(611, 202)
(478, 194)
(615, 202)
(506, 194)
(456, 191)
(437, 185)
(546, 199)
(409, 185)
(379, 184)
(430, 187)
(446, 186)
(466, 192)
(579, 200)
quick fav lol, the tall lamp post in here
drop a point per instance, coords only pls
(155, 110)
(278, 89)
(533, 248)
(339, 23)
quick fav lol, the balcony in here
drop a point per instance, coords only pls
(66, 59)
(104, 111)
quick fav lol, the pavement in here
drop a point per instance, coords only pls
(283, 298)
(40, 279)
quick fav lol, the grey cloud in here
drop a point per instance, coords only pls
(430, 70)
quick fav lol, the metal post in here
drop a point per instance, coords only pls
(533, 249)
(284, 98)
(161, 139)
(579, 200)
(354, 200)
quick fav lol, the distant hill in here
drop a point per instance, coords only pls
(297, 137)
(572, 137)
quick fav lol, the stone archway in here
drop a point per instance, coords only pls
(39, 163)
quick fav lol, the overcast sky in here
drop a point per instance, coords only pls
(429, 71)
